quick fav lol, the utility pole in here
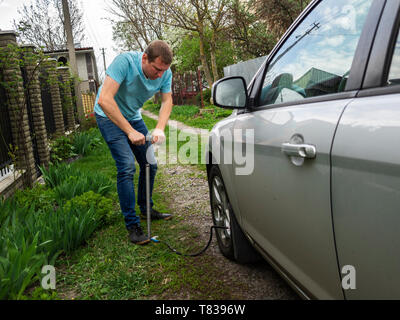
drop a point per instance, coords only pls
(72, 59)
(104, 60)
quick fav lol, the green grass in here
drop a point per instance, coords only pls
(107, 265)
(191, 115)
(110, 267)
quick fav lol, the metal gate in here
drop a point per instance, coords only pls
(47, 102)
(31, 123)
(5, 135)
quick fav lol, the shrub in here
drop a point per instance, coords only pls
(206, 97)
(90, 121)
(61, 149)
(39, 198)
(103, 207)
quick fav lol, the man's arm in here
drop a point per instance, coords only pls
(111, 110)
(165, 111)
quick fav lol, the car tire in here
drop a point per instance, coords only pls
(232, 242)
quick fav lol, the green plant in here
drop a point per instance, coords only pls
(85, 141)
(39, 197)
(89, 122)
(206, 97)
(76, 185)
(103, 207)
(11, 211)
(41, 294)
(68, 228)
(19, 265)
(61, 148)
(55, 174)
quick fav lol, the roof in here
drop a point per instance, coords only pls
(66, 50)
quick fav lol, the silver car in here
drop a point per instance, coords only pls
(306, 172)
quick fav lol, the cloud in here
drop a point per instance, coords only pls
(335, 41)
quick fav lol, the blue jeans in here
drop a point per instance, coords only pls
(124, 154)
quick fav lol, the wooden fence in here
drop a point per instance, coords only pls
(88, 100)
(185, 88)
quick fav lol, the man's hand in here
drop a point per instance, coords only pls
(158, 136)
(137, 138)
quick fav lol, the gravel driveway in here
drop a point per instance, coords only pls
(187, 190)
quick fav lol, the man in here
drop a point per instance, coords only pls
(132, 79)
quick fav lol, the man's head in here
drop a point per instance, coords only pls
(156, 59)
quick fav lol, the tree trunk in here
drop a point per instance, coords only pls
(203, 59)
(213, 57)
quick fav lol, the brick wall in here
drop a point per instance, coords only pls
(17, 109)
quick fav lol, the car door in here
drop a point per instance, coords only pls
(366, 172)
(285, 202)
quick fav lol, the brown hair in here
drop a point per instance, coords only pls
(159, 48)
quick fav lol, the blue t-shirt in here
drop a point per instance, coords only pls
(135, 89)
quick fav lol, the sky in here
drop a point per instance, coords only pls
(98, 28)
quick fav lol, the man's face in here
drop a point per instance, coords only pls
(154, 69)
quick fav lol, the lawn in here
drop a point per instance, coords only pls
(91, 252)
(192, 115)
(109, 267)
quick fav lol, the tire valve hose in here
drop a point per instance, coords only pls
(154, 239)
(192, 254)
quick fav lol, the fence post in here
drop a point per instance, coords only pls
(67, 96)
(17, 108)
(39, 125)
(50, 66)
(200, 86)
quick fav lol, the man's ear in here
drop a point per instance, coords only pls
(145, 58)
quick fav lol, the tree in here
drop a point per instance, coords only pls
(256, 25)
(186, 52)
(136, 28)
(144, 20)
(42, 24)
(217, 17)
(279, 14)
(248, 34)
(192, 17)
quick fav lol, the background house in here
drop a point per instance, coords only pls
(87, 67)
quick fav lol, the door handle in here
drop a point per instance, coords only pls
(307, 151)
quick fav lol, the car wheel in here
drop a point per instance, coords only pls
(232, 241)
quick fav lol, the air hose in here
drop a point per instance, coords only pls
(154, 239)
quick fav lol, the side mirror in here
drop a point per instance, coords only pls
(230, 93)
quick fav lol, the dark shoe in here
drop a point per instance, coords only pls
(155, 215)
(137, 236)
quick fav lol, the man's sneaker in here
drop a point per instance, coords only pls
(137, 236)
(155, 215)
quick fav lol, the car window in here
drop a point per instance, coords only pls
(317, 57)
(394, 71)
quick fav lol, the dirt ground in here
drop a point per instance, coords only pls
(187, 190)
